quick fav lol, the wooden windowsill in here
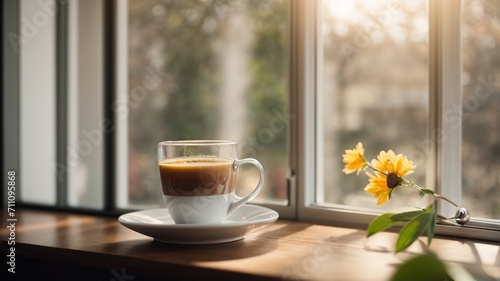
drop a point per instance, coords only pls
(78, 247)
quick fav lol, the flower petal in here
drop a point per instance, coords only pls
(354, 159)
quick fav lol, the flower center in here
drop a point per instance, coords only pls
(393, 180)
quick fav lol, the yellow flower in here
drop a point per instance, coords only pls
(391, 169)
(354, 160)
(383, 159)
(400, 165)
(378, 188)
(389, 162)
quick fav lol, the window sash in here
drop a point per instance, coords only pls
(444, 91)
(121, 113)
(305, 139)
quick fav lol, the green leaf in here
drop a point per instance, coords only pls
(431, 226)
(380, 223)
(423, 191)
(387, 220)
(412, 230)
(422, 267)
(407, 216)
(427, 191)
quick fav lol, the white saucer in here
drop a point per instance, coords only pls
(158, 224)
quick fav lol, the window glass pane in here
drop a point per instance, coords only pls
(37, 100)
(480, 109)
(202, 69)
(85, 96)
(374, 90)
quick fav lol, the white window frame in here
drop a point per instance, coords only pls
(287, 211)
(121, 98)
(45, 152)
(305, 88)
(444, 92)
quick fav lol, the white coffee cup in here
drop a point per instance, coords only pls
(199, 177)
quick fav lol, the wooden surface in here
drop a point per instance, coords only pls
(61, 246)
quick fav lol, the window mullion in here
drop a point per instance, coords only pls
(302, 83)
(445, 134)
(61, 100)
(119, 107)
(11, 93)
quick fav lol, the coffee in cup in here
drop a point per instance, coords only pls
(199, 178)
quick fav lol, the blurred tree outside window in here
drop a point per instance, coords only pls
(217, 69)
(208, 69)
(480, 109)
(375, 90)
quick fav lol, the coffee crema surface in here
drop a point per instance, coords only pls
(197, 176)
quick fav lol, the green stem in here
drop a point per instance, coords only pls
(446, 199)
(419, 188)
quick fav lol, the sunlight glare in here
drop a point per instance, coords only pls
(339, 9)
(349, 10)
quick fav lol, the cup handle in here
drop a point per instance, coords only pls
(239, 201)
